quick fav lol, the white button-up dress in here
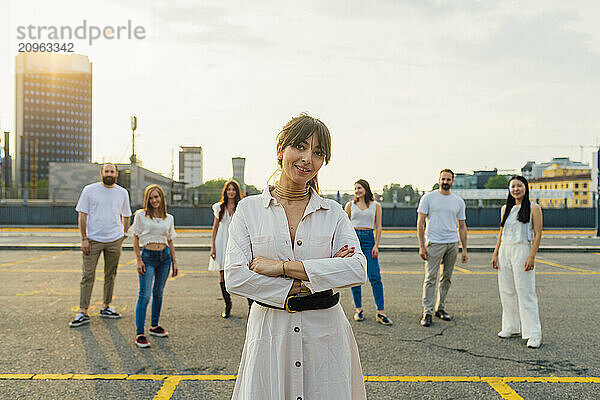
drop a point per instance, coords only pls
(310, 355)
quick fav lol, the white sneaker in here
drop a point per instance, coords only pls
(534, 342)
(506, 335)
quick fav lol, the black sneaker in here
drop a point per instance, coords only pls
(426, 320)
(441, 314)
(141, 341)
(109, 312)
(158, 331)
(383, 319)
(80, 319)
(359, 316)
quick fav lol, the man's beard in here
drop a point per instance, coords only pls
(108, 180)
(446, 186)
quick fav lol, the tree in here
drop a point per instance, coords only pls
(251, 189)
(210, 191)
(40, 190)
(436, 186)
(497, 182)
(402, 192)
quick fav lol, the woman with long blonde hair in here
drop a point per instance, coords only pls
(153, 232)
(223, 211)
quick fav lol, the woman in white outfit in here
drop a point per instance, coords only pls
(514, 258)
(290, 249)
(223, 211)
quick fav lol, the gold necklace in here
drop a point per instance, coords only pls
(291, 194)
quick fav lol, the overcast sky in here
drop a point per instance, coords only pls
(406, 87)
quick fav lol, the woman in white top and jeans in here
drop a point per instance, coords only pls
(514, 258)
(223, 212)
(288, 250)
(153, 230)
(365, 214)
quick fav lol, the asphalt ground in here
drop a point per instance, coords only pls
(23, 238)
(41, 357)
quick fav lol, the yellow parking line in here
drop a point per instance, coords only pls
(99, 376)
(410, 378)
(53, 377)
(498, 383)
(99, 273)
(565, 266)
(16, 376)
(147, 377)
(552, 379)
(127, 263)
(505, 391)
(466, 271)
(168, 388)
(367, 378)
(34, 258)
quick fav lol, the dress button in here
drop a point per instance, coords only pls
(298, 363)
(296, 329)
(299, 242)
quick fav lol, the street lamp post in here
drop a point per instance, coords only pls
(133, 158)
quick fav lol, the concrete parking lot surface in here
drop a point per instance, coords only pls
(463, 359)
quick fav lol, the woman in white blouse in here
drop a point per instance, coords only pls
(223, 211)
(289, 250)
(153, 230)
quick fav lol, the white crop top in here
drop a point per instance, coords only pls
(363, 218)
(516, 231)
(153, 230)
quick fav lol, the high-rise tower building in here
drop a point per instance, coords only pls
(53, 113)
(239, 165)
(191, 165)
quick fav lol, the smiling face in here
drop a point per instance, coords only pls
(359, 191)
(154, 199)
(231, 191)
(517, 189)
(301, 162)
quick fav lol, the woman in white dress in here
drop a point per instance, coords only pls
(289, 250)
(514, 258)
(223, 211)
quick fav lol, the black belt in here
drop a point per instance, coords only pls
(315, 301)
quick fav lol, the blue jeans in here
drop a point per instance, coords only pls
(158, 265)
(367, 241)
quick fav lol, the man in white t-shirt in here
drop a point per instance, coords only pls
(104, 213)
(444, 215)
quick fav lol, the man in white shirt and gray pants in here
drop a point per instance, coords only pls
(441, 223)
(104, 214)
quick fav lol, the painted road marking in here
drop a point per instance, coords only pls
(565, 266)
(127, 263)
(100, 274)
(466, 271)
(505, 391)
(411, 231)
(168, 388)
(498, 383)
(367, 378)
(34, 258)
